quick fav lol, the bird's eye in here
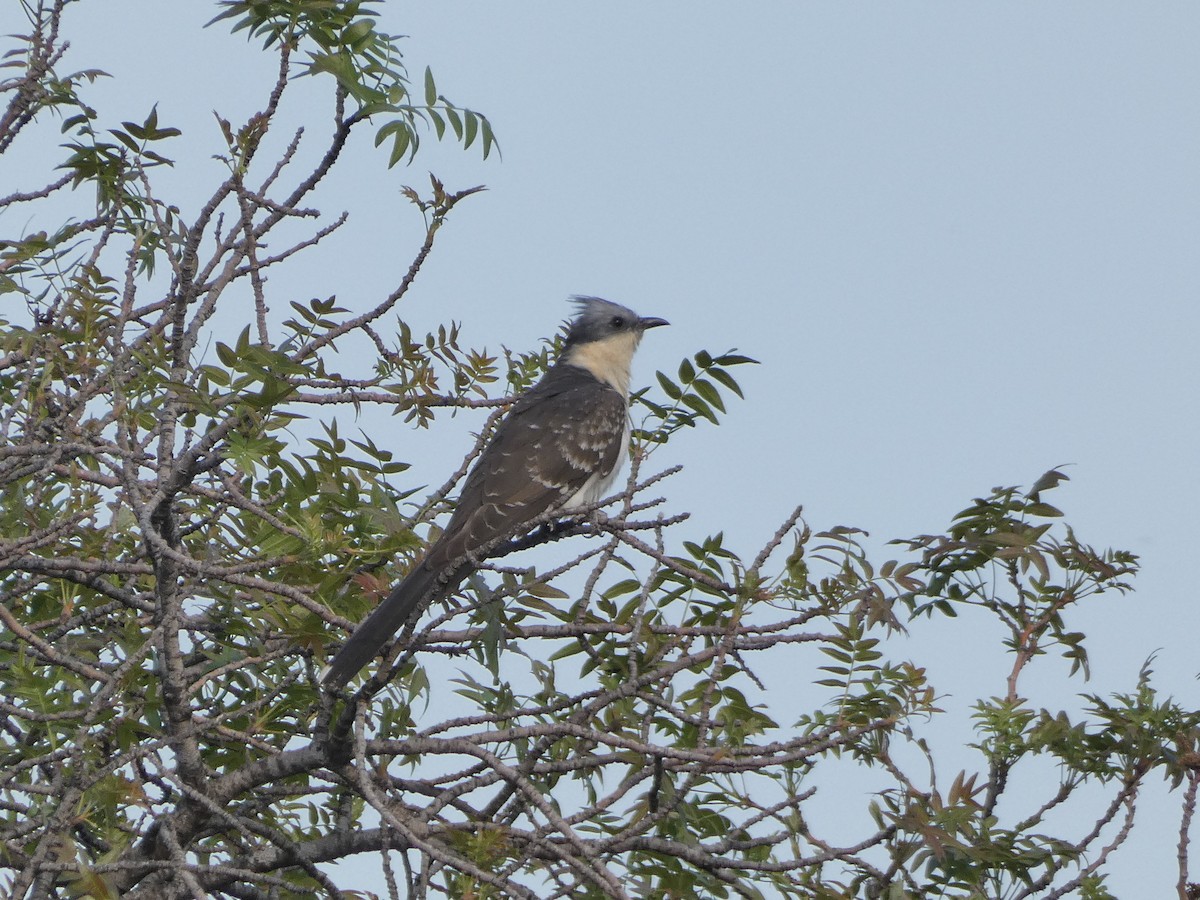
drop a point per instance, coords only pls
(617, 322)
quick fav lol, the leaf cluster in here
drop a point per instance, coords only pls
(343, 40)
(695, 395)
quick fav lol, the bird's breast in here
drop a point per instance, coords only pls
(599, 483)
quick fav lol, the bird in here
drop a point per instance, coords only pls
(559, 448)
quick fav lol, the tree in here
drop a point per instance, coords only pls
(187, 535)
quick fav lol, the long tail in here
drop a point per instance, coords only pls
(422, 586)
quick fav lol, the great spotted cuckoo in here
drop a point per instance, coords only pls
(558, 449)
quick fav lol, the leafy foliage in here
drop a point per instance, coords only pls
(693, 397)
(188, 527)
(342, 40)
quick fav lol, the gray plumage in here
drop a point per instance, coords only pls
(559, 448)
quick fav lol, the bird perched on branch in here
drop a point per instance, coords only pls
(558, 449)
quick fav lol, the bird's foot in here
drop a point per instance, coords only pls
(548, 531)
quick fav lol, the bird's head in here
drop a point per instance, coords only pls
(599, 320)
(602, 338)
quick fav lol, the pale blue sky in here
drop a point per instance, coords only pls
(961, 238)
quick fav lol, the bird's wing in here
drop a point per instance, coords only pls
(563, 431)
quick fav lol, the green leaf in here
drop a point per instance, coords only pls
(1048, 482)
(733, 359)
(431, 89)
(627, 586)
(359, 34)
(706, 390)
(439, 124)
(489, 139)
(455, 121)
(125, 139)
(669, 387)
(404, 143)
(700, 407)
(471, 128)
(1045, 510)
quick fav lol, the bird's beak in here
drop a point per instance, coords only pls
(651, 322)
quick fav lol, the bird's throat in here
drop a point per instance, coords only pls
(608, 360)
